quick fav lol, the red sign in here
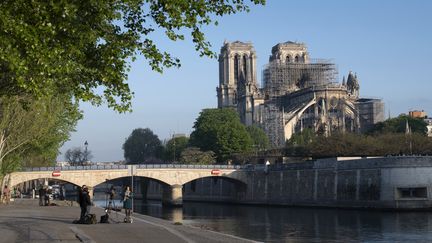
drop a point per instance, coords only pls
(56, 173)
(215, 172)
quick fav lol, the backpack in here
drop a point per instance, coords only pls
(90, 219)
(104, 219)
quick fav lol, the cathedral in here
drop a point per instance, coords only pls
(297, 93)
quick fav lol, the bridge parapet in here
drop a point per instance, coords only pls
(138, 166)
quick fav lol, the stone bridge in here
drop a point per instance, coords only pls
(171, 176)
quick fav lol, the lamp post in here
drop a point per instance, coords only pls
(174, 147)
(85, 151)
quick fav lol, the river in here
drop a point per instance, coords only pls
(294, 224)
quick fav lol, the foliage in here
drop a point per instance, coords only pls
(385, 138)
(351, 144)
(83, 48)
(32, 130)
(302, 138)
(77, 156)
(398, 125)
(193, 155)
(142, 145)
(259, 137)
(220, 131)
(175, 147)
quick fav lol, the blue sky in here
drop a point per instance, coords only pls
(387, 43)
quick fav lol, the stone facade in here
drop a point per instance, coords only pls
(297, 92)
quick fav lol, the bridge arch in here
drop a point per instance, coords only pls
(236, 179)
(211, 186)
(172, 177)
(14, 179)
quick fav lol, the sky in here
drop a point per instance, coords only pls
(387, 43)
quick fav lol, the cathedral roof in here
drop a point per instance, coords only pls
(289, 45)
(291, 42)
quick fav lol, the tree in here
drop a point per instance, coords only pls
(194, 155)
(32, 130)
(353, 144)
(175, 147)
(83, 48)
(302, 138)
(259, 137)
(142, 145)
(398, 125)
(77, 157)
(220, 131)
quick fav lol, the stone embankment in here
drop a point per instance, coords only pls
(24, 221)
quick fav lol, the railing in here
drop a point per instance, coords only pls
(141, 166)
(246, 167)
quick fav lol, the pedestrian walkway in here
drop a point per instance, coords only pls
(25, 221)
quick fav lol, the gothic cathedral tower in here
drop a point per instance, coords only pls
(237, 79)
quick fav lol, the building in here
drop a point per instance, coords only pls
(297, 92)
(417, 114)
(429, 126)
(423, 115)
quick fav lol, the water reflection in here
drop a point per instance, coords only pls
(283, 224)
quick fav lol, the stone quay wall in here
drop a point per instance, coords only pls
(403, 182)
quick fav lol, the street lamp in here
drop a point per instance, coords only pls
(85, 151)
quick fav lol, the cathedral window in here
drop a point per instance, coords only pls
(244, 66)
(287, 59)
(296, 58)
(251, 66)
(236, 67)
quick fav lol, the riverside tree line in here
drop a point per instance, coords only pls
(220, 137)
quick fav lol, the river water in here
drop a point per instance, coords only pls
(294, 224)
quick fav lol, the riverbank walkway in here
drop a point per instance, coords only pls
(25, 221)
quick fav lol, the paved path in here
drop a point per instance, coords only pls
(24, 221)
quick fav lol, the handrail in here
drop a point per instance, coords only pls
(140, 166)
(245, 167)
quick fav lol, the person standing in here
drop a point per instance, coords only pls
(86, 200)
(48, 192)
(127, 204)
(81, 203)
(6, 194)
(266, 167)
(111, 195)
(41, 195)
(62, 193)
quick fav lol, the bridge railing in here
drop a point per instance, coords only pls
(139, 166)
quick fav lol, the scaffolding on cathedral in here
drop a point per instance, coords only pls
(273, 125)
(371, 111)
(281, 78)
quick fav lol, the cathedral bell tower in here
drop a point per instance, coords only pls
(237, 79)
